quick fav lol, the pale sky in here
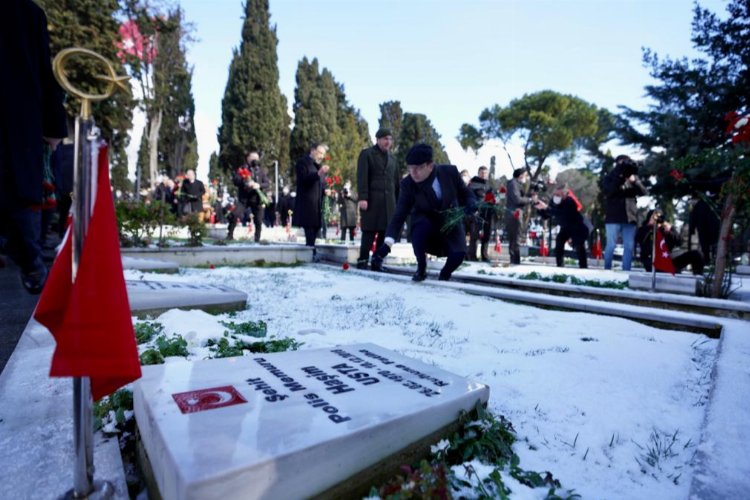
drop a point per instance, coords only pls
(447, 59)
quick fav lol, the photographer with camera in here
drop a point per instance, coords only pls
(645, 239)
(515, 203)
(621, 188)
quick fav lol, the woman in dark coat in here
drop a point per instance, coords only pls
(348, 211)
(308, 203)
(564, 210)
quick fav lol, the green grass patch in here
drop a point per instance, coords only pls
(483, 437)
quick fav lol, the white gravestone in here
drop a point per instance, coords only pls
(289, 425)
(155, 296)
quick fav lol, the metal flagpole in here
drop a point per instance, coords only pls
(86, 140)
(653, 259)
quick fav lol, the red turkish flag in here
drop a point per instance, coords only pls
(543, 250)
(90, 318)
(662, 258)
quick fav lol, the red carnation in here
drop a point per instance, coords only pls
(502, 190)
(345, 267)
(676, 174)
(490, 197)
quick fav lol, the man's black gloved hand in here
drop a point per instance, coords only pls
(376, 263)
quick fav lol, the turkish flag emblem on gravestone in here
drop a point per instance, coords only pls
(208, 399)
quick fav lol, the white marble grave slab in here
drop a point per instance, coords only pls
(155, 296)
(149, 265)
(288, 425)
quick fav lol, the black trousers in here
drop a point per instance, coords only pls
(513, 230)
(367, 238)
(580, 248)
(693, 258)
(351, 233)
(310, 234)
(239, 212)
(421, 234)
(475, 228)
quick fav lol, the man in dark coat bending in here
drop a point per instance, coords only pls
(428, 193)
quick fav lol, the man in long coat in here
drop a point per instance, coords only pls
(430, 193)
(30, 111)
(308, 204)
(378, 180)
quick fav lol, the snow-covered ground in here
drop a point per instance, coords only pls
(611, 407)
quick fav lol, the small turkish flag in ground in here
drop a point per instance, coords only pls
(596, 251)
(90, 318)
(543, 250)
(498, 246)
(662, 258)
(374, 247)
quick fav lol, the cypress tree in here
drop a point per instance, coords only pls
(392, 118)
(416, 128)
(91, 24)
(177, 146)
(254, 114)
(314, 108)
(323, 114)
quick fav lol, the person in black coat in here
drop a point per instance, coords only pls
(285, 204)
(31, 112)
(515, 204)
(645, 238)
(428, 193)
(705, 220)
(191, 194)
(250, 178)
(564, 210)
(347, 212)
(308, 204)
(480, 229)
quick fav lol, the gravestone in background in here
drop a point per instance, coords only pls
(292, 424)
(155, 297)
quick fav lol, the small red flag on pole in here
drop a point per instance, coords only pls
(596, 252)
(90, 318)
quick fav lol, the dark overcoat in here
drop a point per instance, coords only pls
(621, 197)
(308, 203)
(418, 200)
(348, 210)
(377, 183)
(567, 216)
(30, 99)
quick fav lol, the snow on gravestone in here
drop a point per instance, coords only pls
(292, 424)
(145, 295)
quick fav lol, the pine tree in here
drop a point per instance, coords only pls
(254, 114)
(91, 24)
(177, 145)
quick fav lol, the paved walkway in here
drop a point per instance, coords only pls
(16, 307)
